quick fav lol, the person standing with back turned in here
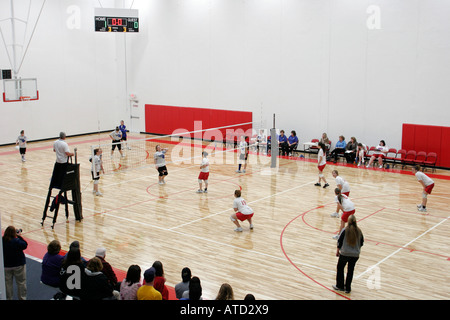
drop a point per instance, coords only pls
(348, 250)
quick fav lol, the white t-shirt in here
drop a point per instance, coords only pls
(116, 135)
(346, 204)
(344, 184)
(96, 163)
(324, 159)
(242, 147)
(381, 149)
(61, 147)
(22, 140)
(241, 205)
(205, 161)
(160, 157)
(423, 177)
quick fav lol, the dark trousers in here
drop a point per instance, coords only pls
(342, 262)
(336, 152)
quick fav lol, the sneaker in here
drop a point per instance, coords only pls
(336, 236)
(419, 206)
(205, 191)
(199, 191)
(251, 226)
(317, 184)
(380, 167)
(98, 193)
(326, 185)
(422, 209)
(238, 171)
(243, 171)
(238, 229)
(335, 215)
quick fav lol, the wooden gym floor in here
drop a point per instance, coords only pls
(290, 254)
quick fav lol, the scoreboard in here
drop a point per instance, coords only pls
(116, 20)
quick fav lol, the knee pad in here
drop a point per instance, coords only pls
(320, 175)
(232, 219)
(424, 195)
(96, 181)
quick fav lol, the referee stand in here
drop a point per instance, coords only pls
(65, 177)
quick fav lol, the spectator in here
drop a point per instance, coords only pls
(379, 153)
(160, 280)
(250, 297)
(75, 245)
(95, 284)
(51, 264)
(361, 154)
(349, 246)
(225, 292)
(195, 290)
(339, 148)
(147, 291)
(184, 284)
(283, 143)
(292, 142)
(14, 262)
(107, 268)
(72, 265)
(350, 150)
(132, 282)
(326, 142)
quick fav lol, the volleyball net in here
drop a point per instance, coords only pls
(181, 147)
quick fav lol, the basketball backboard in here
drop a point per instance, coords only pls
(20, 90)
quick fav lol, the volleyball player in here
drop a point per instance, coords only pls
(123, 130)
(204, 173)
(243, 154)
(348, 208)
(116, 135)
(160, 163)
(22, 142)
(427, 184)
(97, 166)
(343, 186)
(242, 211)
(322, 162)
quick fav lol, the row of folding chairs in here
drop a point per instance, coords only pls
(411, 157)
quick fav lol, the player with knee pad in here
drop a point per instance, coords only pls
(97, 167)
(160, 163)
(427, 184)
(204, 173)
(321, 163)
(242, 211)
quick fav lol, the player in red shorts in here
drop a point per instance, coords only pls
(427, 185)
(242, 211)
(204, 173)
(347, 207)
(321, 163)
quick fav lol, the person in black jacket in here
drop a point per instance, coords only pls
(14, 262)
(349, 246)
(94, 284)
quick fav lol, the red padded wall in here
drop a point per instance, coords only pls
(160, 119)
(429, 139)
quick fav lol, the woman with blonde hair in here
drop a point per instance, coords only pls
(349, 246)
(225, 292)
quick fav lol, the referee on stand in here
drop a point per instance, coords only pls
(61, 148)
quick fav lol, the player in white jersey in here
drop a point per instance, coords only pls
(242, 211)
(160, 163)
(348, 208)
(97, 166)
(22, 143)
(321, 163)
(343, 186)
(204, 173)
(243, 154)
(427, 184)
(116, 137)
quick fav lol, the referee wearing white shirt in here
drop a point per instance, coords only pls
(61, 148)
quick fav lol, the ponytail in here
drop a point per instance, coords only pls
(352, 232)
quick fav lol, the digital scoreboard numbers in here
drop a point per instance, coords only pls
(116, 20)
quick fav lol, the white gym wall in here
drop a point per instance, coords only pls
(353, 67)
